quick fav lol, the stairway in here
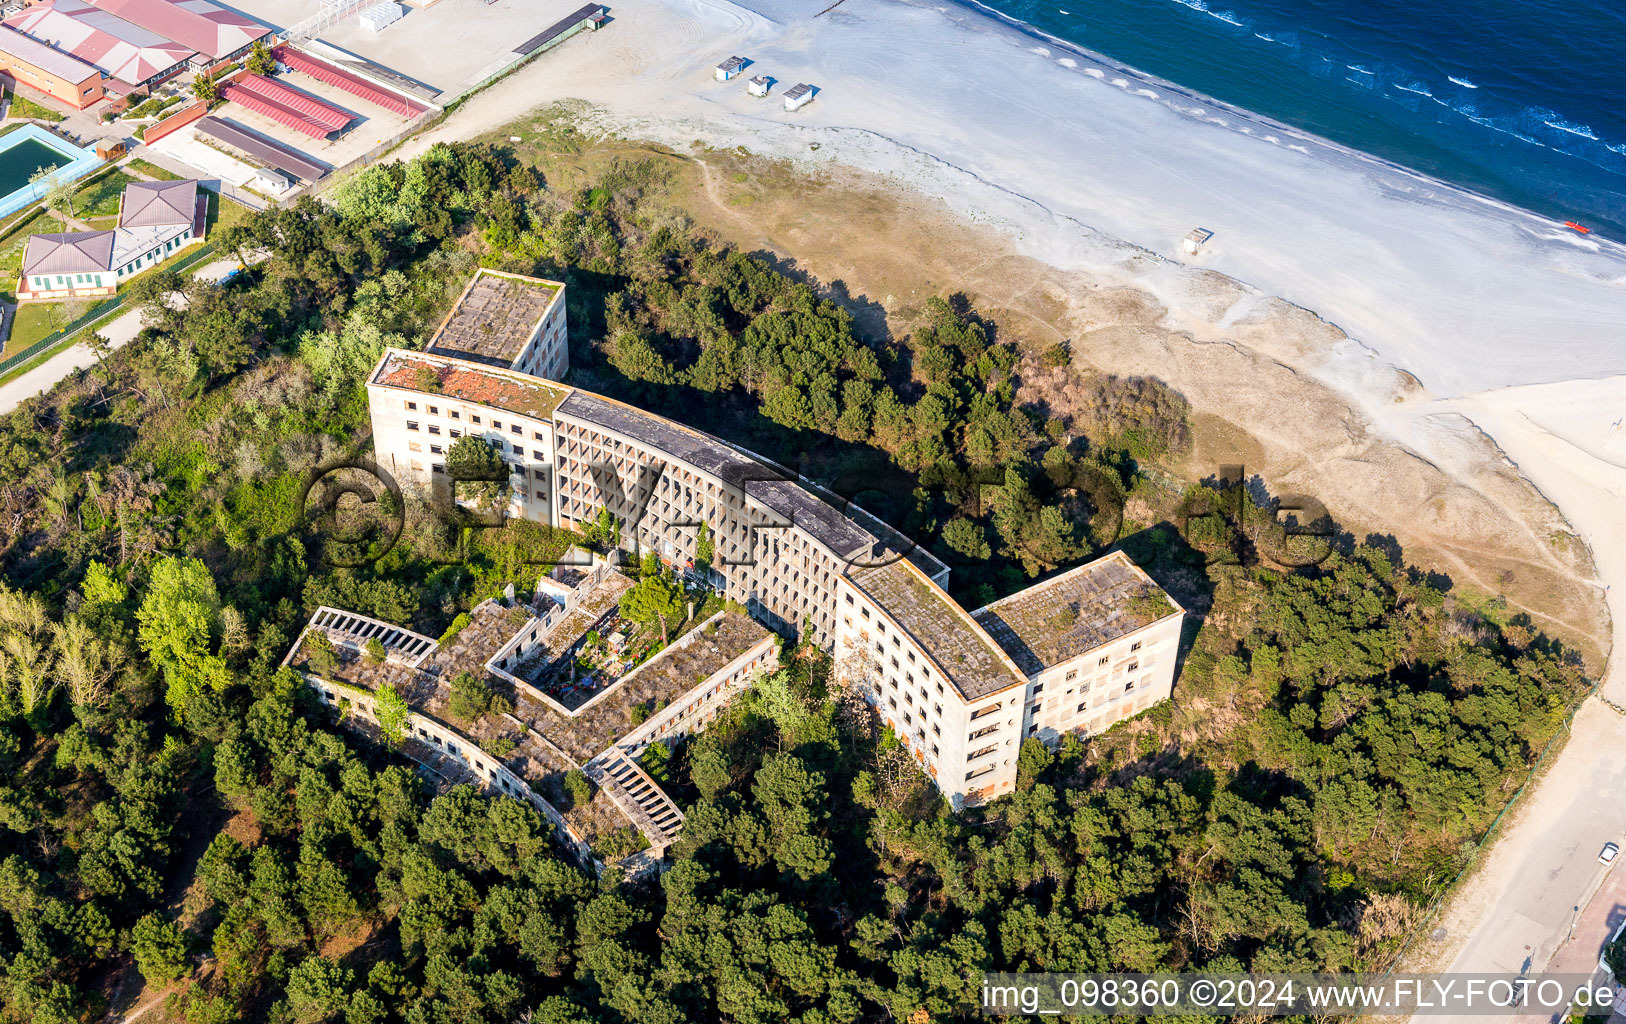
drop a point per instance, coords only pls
(656, 816)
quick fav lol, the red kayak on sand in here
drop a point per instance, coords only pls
(1583, 229)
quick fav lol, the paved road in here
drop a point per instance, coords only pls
(1520, 907)
(120, 331)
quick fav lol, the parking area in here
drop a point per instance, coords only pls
(452, 46)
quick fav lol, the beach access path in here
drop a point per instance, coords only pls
(119, 331)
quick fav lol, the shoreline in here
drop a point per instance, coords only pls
(1109, 65)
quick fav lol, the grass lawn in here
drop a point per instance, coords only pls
(28, 222)
(35, 320)
(152, 170)
(223, 213)
(100, 198)
(22, 106)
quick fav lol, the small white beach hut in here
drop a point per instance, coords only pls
(798, 96)
(1194, 240)
(759, 85)
(729, 68)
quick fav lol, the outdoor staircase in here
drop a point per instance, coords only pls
(656, 816)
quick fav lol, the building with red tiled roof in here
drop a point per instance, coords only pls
(216, 33)
(130, 56)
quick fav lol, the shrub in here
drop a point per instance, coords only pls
(580, 790)
(471, 698)
(394, 715)
(319, 651)
(160, 951)
(458, 625)
(620, 843)
(1142, 415)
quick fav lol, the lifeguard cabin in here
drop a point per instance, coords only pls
(798, 96)
(729, 68)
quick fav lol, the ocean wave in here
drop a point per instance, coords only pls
(1201, 6)
(1417, 88)
(1357, 67)
(1462, 82)
(1574, 129)
(1266, 38)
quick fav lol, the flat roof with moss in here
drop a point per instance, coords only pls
(667, 675)
(494, 317)
(509, 392)
(1076, 612)
(970, 659)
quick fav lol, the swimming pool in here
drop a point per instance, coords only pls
(25, 151)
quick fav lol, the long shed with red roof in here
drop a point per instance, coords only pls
(216, 33)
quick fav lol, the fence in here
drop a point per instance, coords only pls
(329, 15)
(100, 311)
(174, 123)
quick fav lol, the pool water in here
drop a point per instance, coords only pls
(22, 161)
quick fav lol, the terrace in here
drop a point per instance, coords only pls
(494, 318)
(531, 757)
(642, 689)
(470, 384)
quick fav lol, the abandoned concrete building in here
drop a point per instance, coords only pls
(961, 689)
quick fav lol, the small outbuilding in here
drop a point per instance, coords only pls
(798, 96)
(269, 179)
(110, 149)
(759, 85)
(729, 68)
(1195, 239)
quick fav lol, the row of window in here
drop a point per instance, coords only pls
(474, 418)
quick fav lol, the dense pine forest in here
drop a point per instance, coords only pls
(180, 820)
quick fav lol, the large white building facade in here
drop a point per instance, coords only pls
(962, 690)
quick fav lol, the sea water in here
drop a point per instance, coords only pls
(1521, 100)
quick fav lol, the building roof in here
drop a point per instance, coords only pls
(1074, 613)
(494, 317)
(158, 203)
(469, 382)
(206, 27)
(129, 243)
(731, 65)
(263, 149)
(970, 659)
(55, 62)
(770, 486)
(125, 52)
(73, 252)
(797, 91)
